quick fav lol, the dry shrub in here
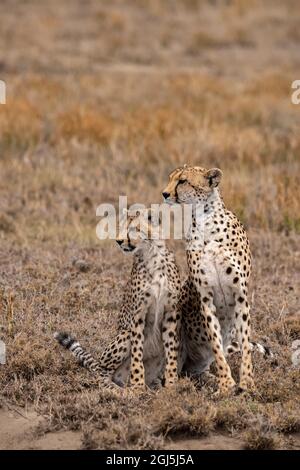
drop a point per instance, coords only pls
(204, 40)
(86, 124)
(241, 36)
(234, 413)
(156, 123)
(274, 203)
(7, 224)
(275, 85)
(285, 418)
(293, 32)
(20, 123)
(241, 7)
(112, 19)
(198, 87)
(43, 91)
(33, 358)
(280, 384)
(183, 411)
(118, 436)
(260, 437)
(287, 328)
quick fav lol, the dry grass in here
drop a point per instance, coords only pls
(107, 100)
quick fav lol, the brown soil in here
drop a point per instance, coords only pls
(18, 432)
(213, 442)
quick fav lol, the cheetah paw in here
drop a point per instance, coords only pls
(168, 383)
(246, 385)
(225, 388)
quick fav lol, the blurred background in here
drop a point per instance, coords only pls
(106, 98)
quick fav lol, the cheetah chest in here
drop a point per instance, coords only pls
(214, 263)
(153, 322)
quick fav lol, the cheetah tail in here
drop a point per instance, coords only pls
(264, 350)
(84, 358)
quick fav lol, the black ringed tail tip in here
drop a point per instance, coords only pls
(64, 339)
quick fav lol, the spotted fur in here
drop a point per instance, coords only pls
(150, 318)
(145, 350)
(214, 299)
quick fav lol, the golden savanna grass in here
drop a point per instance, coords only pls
(106, 98)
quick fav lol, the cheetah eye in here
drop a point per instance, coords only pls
(181, 181)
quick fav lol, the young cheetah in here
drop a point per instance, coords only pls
(149, 321)
(214, 299)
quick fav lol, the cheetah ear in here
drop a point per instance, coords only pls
(213, 176)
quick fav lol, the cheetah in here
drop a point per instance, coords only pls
(145, 350)
(214, 299)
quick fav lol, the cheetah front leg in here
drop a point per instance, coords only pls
(243, 333)
(137, 370)
(212, 331)
(171, 345)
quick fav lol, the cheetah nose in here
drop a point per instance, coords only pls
(120, 242)
(166, 195)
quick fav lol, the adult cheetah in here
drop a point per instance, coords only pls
(214, 298)
(145, 349)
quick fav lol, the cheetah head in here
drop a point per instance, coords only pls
(137, 229)
(191, 184)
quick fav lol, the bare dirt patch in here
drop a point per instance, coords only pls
(17, 427)
(214, 442)
(18, 432)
